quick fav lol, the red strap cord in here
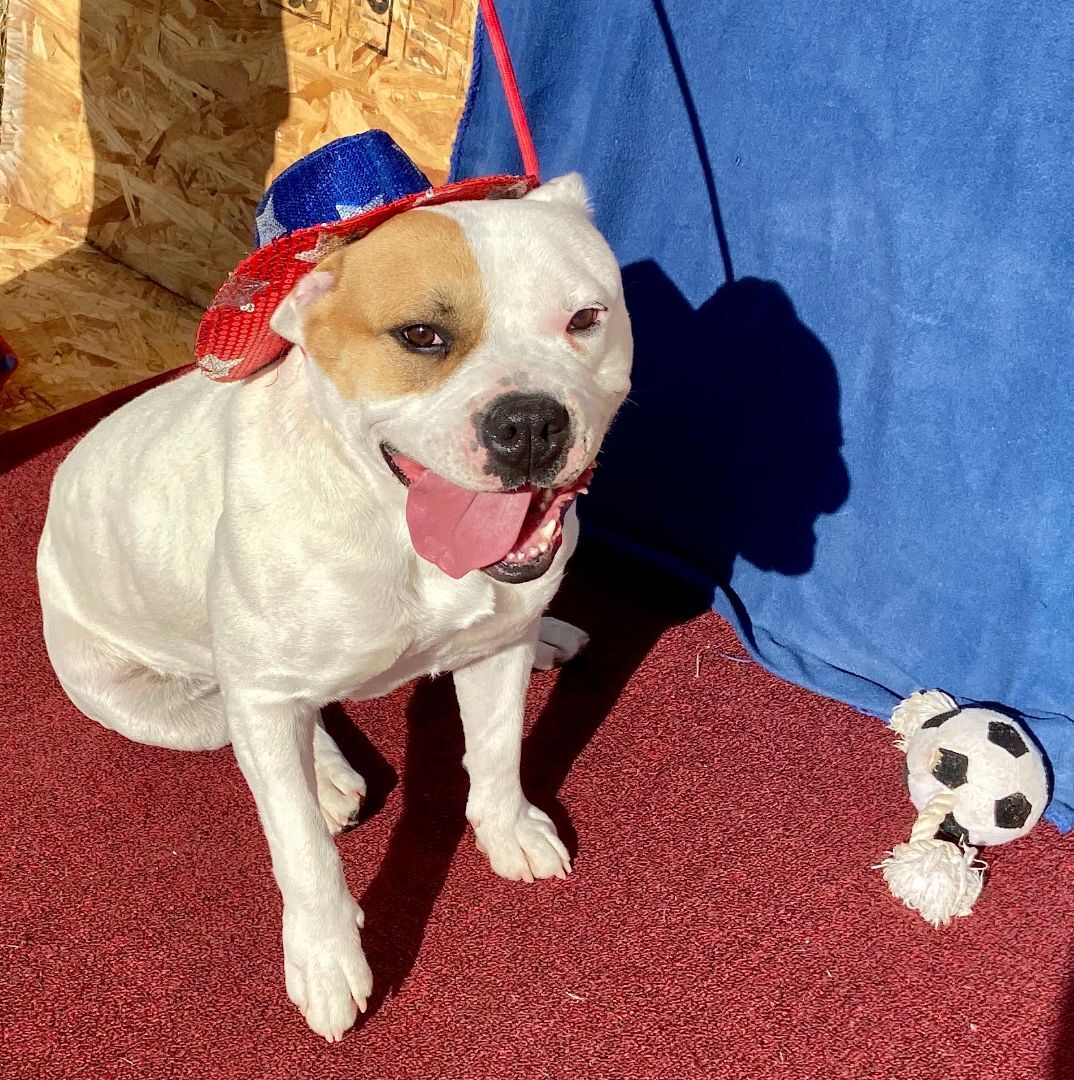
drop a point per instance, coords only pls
(510, 88)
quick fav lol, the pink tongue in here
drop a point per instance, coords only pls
(460, 530)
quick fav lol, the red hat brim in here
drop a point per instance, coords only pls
(234, 338)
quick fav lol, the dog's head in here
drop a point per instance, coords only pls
(482, 349)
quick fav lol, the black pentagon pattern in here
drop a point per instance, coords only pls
(951, 830)
(936, 721)
(952, 768)
(1013, 811)
(1005, 737)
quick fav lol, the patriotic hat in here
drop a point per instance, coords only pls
(328, 198)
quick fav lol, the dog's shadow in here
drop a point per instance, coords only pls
(624, 624)
(625, 607)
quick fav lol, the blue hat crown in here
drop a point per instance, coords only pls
(341, 180)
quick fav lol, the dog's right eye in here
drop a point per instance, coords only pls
(422, 338)
(586, 319)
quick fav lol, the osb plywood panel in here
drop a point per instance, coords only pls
(80, 323)
(153, 127)
(42, 123)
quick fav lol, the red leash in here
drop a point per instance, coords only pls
(510, 88)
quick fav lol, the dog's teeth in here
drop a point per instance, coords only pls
(542, 547)
(548, 530)
(534, 552)
(511, 556)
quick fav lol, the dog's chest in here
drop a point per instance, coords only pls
(443, 626)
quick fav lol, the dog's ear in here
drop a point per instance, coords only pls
(290, 317)
(569, 190)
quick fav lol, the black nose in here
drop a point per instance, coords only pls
(527, 436)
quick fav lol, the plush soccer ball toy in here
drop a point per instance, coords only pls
(977, 779)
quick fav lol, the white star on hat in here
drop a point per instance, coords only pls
(216, 367)
(268, 225)
(325, 246)
(349, 210)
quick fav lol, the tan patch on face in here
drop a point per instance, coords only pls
(415, 269)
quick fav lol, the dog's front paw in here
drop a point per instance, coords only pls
(525, 848)
(326, 971)
(557, 643)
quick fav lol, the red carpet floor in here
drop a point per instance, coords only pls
(722, 920)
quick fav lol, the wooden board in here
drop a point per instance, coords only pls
(80, 323)
(153, 129)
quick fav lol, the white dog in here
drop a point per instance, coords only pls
(393, 499)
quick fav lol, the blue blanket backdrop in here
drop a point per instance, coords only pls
(847, 234)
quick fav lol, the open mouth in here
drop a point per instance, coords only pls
(513, 536)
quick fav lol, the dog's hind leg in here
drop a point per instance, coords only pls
(149, 707)
(340, 790)
(558, 642)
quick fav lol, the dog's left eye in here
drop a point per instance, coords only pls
(423, 338)
(585, 319)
